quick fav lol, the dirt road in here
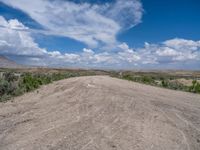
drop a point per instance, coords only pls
(101, 113)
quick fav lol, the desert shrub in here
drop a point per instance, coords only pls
(147, 80)
(177, 86)
(195, 87)
(162, 80)
(4, 87)
(60, 76)
(141, 79)
(29, 82)
(43, 78)
(173, 85)
(57, 76)
(164, 83)
(7, 89)
(128, 77)
(19, 91)
(5, 97)
(13, 84)
(10, 76)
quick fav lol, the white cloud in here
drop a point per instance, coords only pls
(127, 13)
(128, 54)
(182, 44)
(15, 42)
(123, 46)
(106, 58)
(88, 51)
(54, 54)
(174, 53)
(15, 25)
(182, 49)
(166, 51)
(89, 23)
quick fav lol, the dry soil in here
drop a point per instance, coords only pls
(101, 113)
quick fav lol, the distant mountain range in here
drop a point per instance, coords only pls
(7, 63)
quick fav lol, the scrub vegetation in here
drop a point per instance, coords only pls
(188, 83)
(15, 82)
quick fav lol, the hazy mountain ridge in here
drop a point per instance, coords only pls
(7, 63)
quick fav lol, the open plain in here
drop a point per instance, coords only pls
(101, 113)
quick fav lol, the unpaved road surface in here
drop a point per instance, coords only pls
(101, 113)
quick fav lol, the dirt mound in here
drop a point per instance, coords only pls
(101, 113)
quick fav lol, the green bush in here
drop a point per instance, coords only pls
(10, 76)
(177, 86)
(164, 83)
(4, 87)
(128, 77)
(141, 79)
(30, 82)
(5, 97)
(15, 84)
(195, 87)
(147, 80)
(43, 78)
(19, 91)
(161, 80)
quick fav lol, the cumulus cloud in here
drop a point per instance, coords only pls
(174, 53)
(166, 51)
(14, 42)
(93, 24)
(128, 54)
(181, 49)
(182, 44)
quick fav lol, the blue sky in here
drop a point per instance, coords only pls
(115, 34)
(166, 19)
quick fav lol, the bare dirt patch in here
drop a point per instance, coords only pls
(101, 113)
